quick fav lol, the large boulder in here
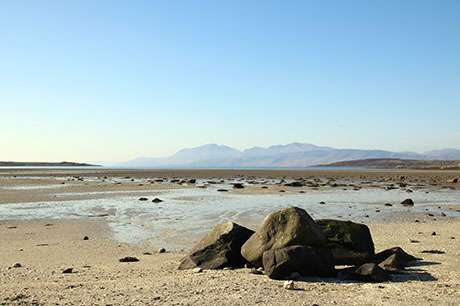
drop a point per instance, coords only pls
(220, 248)
(304, 260)
(288, 226)
(351, 243)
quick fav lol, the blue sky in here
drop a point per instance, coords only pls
(114, 80)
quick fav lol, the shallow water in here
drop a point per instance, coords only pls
(186, 214)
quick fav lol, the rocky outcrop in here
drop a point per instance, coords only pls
(351, 243)
(286, 227)
(219, 249)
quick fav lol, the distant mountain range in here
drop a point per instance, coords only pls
(289, 155)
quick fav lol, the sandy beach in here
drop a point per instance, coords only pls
(45, 247)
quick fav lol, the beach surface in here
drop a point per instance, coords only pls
(46, 245)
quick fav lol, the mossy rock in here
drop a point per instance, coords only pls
(351, 243)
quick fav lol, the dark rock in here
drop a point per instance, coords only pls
(369, 272)
(86, 238)
(433, 234)
(407, 202)
(238, 185)
(285, 227)
(161, 250)
(157, 200)
(394, 263)
(143, 199)
(402, 255)
(67, 271)
(128, 259)
(351, 243)
(305, 260)
(220, 248)
(322, 202)
(433, 252)
(222, 190)
(192, 181)
(295, 184)
(17, 265)
(388, 204)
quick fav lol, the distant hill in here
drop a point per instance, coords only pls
(395, 163)
(289, 155)
(43, 164)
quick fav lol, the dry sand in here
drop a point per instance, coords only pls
(45, 250)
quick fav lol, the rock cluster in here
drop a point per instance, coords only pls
(290, 244)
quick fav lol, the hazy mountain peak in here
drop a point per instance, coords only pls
(287, 155)
(207, 151)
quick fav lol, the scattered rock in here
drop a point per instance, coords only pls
(394, 263)
(381, 256)
(407, 202)
(197, 270)
(143, 199)
(295, 184)
(157, 200)
(256, 271)
(289, 285)
(238, 185)
(162, 250)
(67, 271)
(305, 260)
(369, 272)
(282, 228)
(220, 248)
(351, 243)
(433, 252)
(128, 259)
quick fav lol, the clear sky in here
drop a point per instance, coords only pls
(114, 80)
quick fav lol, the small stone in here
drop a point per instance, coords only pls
(143, 199)
(407, 202)
(67, 271)
(433, 252)
(86, 238)
(433, 234)
(256, 271)
(289, 285)
(197, 270)
(157, 200)
(128, 259)
(162, 250)
(17, 265)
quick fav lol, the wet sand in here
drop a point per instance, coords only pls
(46, 247)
